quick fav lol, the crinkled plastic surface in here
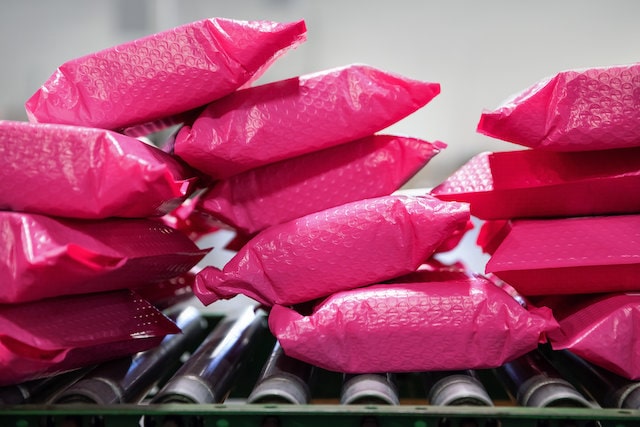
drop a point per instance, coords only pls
(162, 74)
(370, 167)
(80, 172)
(352, 245)
(535, 183)
(43, 257)
(570, 255)
(576, 110)
(263, 124)
(191, 220)
(43, 338)
(455, 324)
(602, 329)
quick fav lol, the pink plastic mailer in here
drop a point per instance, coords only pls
(570, 255)
(575, 110)
(283, 119)
(79, 172)
(455, 324)
(44, 338)
(535, 183)
(43, 257)
(162, 74)
(272, 194)
(352, 245)
(602, 329)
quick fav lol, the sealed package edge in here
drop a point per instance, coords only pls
(459, 323)
(42, 257)
(576, 110)
(80, 172)
(162, 74)
(351, 245)
(272, 194)
(263, 124)
(44, 338)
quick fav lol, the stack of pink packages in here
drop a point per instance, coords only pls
(563, 216)
(83, 202)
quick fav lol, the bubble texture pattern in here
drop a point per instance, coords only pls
(162, 74)
(352, 245)
(272, 194)
(263, 124)
(536, 183)
(87, 173)
(43, 338)
(448, 325)
(576, 255)
(43, 257)
(575, 110)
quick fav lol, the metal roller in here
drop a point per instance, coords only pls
(376, 389)
(454, 388)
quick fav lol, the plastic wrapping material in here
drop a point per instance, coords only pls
(491, 234)
(163, 74)
(352, 245)
(601, 329)
(43, 257)
(535, 183)
(88, 173)
(450, 325)
(575, 110)
(191, 220)
(42, 338)
(373, 166)
(263, 124)
(570, 255)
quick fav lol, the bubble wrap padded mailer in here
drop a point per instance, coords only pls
(79, 172)
(272, 194)
(352, 245)
(575, 110)
(535, 183)
(449, 325)
(42, 338)
(570, 255)
(283, 119)
(602, 329)
(43, 257)
(162, 74)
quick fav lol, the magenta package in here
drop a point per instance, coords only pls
(463, 323)
(535, 183)
(162, 74)
(570, 255)
(79, 172)
(288, 118)
(43, 257)
(602, 329)
(575, 110)
(278, 192)
(352, 245)
(491, 234)
(44, 338)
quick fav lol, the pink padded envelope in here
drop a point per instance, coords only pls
(162, 74)
(454, 324)
(279, 120)
(348, 246)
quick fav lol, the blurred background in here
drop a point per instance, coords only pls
(481, 52)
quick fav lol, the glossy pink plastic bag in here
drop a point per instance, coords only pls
(575, 110)
(462, 323)
(602, 329)
(570, 255)
(352, 245)
(272, 194)
(535, 183)
(79, 172)
(43, 257)
(263, 124)
(162, 74)
(47, 337)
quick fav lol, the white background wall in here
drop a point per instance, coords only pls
(481, 52)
